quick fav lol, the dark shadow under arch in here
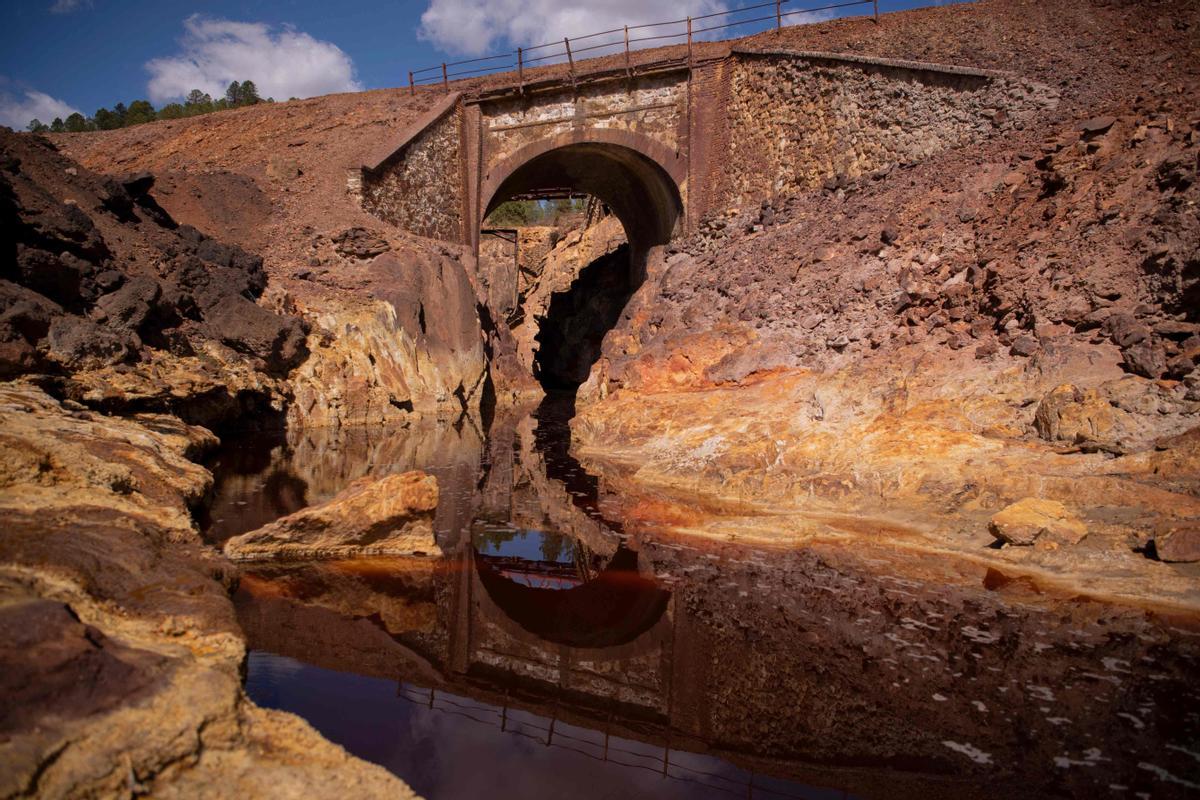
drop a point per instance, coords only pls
(639, 179)
(636, 176)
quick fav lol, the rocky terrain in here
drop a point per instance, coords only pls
(989, 355)
(113, 303)
(927, 345)
(121, 655)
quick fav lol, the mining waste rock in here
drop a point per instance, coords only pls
(389, 516)
(1178, 540)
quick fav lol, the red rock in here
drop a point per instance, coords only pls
(1178, 540)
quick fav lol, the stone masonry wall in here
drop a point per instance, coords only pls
(654, 107)
(795, 121)
(419, 188)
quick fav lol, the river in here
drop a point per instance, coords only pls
(552, 650)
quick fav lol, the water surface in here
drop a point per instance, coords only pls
(551, 653)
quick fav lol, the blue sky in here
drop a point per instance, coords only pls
(61, 55)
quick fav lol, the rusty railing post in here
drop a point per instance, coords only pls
(689, 23)
(570, 58)
(876, 12)
(628, 72)
(778, 16)
(445, 79)
(520, 69)
(412, 87)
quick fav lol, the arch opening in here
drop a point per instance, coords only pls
(643, 197)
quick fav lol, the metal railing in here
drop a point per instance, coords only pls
(602, 747)
(621, 39)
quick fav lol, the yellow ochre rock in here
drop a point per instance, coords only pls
(1031, 519)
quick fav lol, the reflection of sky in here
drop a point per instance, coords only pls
(527, 544)
(445, 755)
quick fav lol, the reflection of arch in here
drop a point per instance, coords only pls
(614, 608)
(638, 177)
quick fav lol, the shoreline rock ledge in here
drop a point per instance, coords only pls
(388, 516)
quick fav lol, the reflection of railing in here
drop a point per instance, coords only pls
(610, 749)
(518, 59)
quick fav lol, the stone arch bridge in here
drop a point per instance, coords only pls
(669, 142)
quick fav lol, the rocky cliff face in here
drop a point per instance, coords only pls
(392, 328)
(395, 333)
(119, 307)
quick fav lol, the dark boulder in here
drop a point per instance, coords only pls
(1125, 330)
(64, 226)
(359, 243)
(1024, 346)
(129, 307)
(79, 343)
(1146, 358)
(254, 331)
(63, 277)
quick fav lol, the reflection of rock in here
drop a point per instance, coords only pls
(1032, 519)
(301, 610)
(267, 476)
(518, 486)
(392, 515)
(809, 656)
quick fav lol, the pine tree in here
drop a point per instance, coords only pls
(106, 120)
(233, 94)
(76, 123)
(57, 125)
(139, 111)
(248, 95)
(37, 126)
(172, 111)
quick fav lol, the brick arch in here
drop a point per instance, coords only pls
(641, 179)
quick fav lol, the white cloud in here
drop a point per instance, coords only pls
(475, 27)
(68, 6)
(17, 110)
(812, 17)
(282, 62)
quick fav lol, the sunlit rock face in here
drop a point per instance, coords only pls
(392, 515)
(394, 336)
(119, 641)
(929, 346)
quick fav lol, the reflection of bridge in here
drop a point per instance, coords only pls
(600, 744)
(555, 575)
(614, 607)
(602, 642)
